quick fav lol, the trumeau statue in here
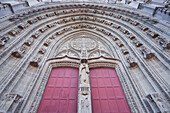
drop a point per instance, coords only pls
(84, 89)
(84, 74)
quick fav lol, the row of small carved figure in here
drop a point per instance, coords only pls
(86, 9)
(25, 25)
(98, 20)
(162, 41)
(79, 26)
(4, 39)
(130, 60)
(148, 55)
(36, 60)
(80, 18)
(82, 10)
(78, 10)
(19, 52)
(29, 42)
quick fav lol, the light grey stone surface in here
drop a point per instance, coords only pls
(55, 28)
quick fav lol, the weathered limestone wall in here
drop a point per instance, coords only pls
(35, 41)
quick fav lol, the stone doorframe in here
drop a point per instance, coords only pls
(66, 61)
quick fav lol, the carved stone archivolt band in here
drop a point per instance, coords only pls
(39, 39)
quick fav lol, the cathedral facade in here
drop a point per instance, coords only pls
(84, 57)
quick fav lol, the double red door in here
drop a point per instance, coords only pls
(106, 92)
(61, 92)
(60, 95)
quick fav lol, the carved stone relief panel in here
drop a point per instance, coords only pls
(83, 45)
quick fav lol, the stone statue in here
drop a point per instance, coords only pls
(84, 89)
(84, 74)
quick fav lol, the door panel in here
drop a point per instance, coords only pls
(60, 95)
(106, 92)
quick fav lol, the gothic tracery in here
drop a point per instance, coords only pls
(84, 36)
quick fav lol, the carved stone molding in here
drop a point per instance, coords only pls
(65, 64)
(101, 65)
(102, 20)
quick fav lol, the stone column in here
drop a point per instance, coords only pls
(84, 92)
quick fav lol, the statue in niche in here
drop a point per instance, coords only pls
(84, 74)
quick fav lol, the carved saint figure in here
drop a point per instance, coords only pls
(84, 74)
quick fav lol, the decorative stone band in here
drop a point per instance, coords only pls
(103, 62)
(97, 62)
(67, 61)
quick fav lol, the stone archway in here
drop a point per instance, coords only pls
(31, 44)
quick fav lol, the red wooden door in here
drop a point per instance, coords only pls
(60, 95)
(106, 92)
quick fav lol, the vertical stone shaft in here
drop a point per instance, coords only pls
(84, 92)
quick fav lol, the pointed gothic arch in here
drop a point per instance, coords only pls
(31, 47)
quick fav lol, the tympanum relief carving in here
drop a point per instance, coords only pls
(83, 44)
